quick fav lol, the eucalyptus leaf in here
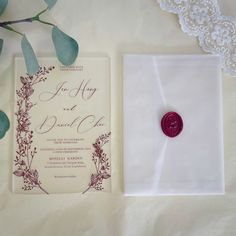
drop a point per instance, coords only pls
(50, 3)
(1, 44)
(3, 4)
(4, 124)
(29, 55)
(66, 47)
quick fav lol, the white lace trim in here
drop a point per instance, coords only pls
(216, 33)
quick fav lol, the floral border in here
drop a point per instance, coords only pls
(25, 151)
(101, 163)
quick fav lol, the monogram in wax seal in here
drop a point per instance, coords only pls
(171, 124)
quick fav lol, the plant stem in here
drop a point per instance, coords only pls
(45, 22)
(6, 24)
(27, 155)
(11, 29)
(26, 20)
(40, 13)
(86, 190)
(96, 167)
(16, 21)
(30, 162)
(42, 189)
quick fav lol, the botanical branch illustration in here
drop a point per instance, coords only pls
(25, 151)
(101, 163)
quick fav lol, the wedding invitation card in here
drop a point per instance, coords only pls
(62, 127)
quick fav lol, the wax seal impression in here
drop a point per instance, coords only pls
(171, 124)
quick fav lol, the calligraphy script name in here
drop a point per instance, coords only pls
(81, 124)
(84, 90)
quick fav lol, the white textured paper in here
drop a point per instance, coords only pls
(192, 162)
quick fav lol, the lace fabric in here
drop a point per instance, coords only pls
(216, 33)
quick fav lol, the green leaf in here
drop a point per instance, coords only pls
(4, 124)
(3, 4)
(1, 44)
(50, 3)
(30, 58)
(65, 46)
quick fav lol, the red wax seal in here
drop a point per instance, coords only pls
(171, 124)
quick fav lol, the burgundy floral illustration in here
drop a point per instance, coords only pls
(101, 162)
(25, 151)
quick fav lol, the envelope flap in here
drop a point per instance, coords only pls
(143, 101)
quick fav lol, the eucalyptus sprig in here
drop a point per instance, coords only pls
(65, 46)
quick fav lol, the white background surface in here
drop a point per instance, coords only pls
(112, 27)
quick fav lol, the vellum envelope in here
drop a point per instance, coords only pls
(192, 162)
